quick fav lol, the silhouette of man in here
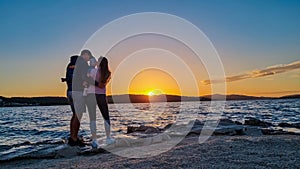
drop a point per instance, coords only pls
(74, 122)
(79, 80)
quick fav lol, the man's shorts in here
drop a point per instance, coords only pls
(79, 103)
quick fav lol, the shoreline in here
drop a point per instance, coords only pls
(266, 151)
(131, 98)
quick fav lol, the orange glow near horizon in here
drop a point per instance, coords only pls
(153, 82)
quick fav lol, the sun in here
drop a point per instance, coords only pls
(154, 92)
(151, 93)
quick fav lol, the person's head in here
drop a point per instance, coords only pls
(73, 59)
(103, 62)
(86, 54)
(93, 62)
(103, 68)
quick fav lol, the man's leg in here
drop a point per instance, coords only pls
(79, 105)
(74, 121)
(91, 105)
(74, 127)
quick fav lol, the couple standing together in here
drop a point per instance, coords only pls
(87, 88)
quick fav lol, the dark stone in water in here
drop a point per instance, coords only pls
(120, 130)
(142, 128)
(238, 123)
(168, 126)
(198, 123)
(152, 130)
(285, 125)
(294, 125)
(255, 122)
(297, 125)
(230, 130)
(226, 122)
(269, 131)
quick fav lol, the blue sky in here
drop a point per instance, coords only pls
(38, 36)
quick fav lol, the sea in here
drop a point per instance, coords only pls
(26, 130)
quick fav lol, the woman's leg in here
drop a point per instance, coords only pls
(102, 104)
(91, 105)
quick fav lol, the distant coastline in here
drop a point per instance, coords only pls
(128, 98)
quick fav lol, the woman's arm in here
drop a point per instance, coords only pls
(101, 85)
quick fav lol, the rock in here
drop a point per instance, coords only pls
(197, 127)
(198, 123)
(230, 130)
(131, 129)
(253, 131)
(297, 125)
(157, 139)
(238, 123)
(285, 125)
(165, 137)
(147, 141)
(195, 123)
(220, 130)
(195, 131)
(142, 128)
(26, 143)
(123, 142)
(68, 151)
(275, 131)
(152, 130)
(294, 125)
(92, 151)
(268, 131)
(168, 126)
(225, 122)
(255, 122)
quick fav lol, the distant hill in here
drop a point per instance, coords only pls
(32, 101)
(295, 96)
(128, 98)
(235, 97)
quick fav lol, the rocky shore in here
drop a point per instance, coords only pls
(251, 127)
(229, 144)
(276, 151)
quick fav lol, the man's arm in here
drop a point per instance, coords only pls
(84, 76)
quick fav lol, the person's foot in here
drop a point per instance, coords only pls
(110, 141)
(80, 142)
(71, 142)
(94, 143)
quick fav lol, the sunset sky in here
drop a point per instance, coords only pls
(258, 43)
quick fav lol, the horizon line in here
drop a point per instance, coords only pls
(160, 95)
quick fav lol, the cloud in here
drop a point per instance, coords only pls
(269, 71)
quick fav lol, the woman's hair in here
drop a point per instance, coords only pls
(104, 70)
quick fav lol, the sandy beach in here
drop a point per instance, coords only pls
(266, 151)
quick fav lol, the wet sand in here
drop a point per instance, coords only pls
(266, 151)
